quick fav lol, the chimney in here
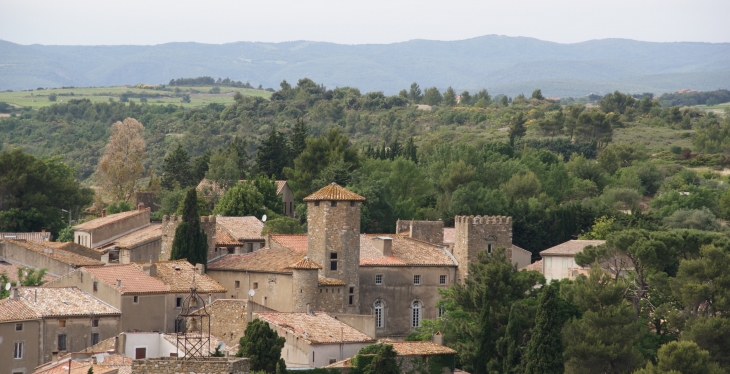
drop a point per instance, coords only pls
(309, 309)
(200, 268)
(14, 293)
(103, 212)
(150, 269)
(384, 244)
(438, 338)
(140, 206)
(54, 356)
(119, 283)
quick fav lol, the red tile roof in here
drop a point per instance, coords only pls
(61, 255)
(30, 236)
(305, 264)
(570, 248)
(180, 276)
(315, 328)
(134, 280)
(295, 242)
(223, 239)
(11, 268)
(64, 301)
(330, 282)
(416, 348)
(264, 260)
(108, 220)
(334, 192)
(16, 309)
(536, 266)
(405, 252)
(241, 228)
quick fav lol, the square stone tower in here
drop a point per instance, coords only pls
(476, 234)
(333, 221)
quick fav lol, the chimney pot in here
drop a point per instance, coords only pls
(54, 356)
(14, 293)
(119, 283)
(150, 269)
(103, 212)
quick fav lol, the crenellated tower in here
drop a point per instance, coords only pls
(478, 233)
(333, 219)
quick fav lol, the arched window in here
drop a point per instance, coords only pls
(416, 313)
(378, 311)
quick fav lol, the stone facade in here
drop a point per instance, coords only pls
(334, 236)
(209, 365)
(428, 231)
(305, 289)
(169, 225)
(475, 234)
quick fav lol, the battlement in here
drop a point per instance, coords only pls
(483, 220)
(175, 218)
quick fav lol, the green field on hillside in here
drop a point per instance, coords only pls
(199, 95)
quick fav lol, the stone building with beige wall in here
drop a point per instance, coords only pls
(56, 257)
(149, 295)
(38, 322)
(336, 269)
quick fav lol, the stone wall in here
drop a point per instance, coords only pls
(475, 234)
(305, 283)
(428, 231)
(332, 299)
(228, 319)
(209, 365)
(334, 227)
(169, 225)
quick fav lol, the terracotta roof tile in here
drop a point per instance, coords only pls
(570, 248)
(295, 242)
(334, 192)
(241, 228)
(330, 282)
(57, 254)
(405, 252)
(16, 309)
(315, 328)
(223, 239)
(304, 264)
(416, 348)
(264, 260)
(134, 280)
(30, 236)
(11, 267)
(108, 220)
(180, 275)
(64, 301)
(144, 235)
(536, 266)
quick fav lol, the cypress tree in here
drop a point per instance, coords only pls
(545, 350)
(176, 168)
(190, 241)
(262, 346)
(512, 342)
(299, 135)
(485, 339)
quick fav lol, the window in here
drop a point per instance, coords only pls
(352, 203)
(237, 284)
(61, 323)
(332, 361)
(351, 299)
(489, 248)
(94, 338)
(255, 285)
(96, 286)
(379, 279)
(378, 311)
(333, 261)
(441, 312)
(94, 323)
(178, 302)
(291, 207)
(565, 263)
(333, 204)
(140, 353)
(250, 247)
(316, 203)
(61, 342)
(442, 279)
(416, 314)
(18, 327)
(135, 299)
(548, 262)
(352, 289)
(285, 208)
(416, 280)
(18, 350)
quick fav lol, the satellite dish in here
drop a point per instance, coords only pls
(251, 293)
(7, 286)
(263, 219)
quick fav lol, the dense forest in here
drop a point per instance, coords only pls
(424, 154)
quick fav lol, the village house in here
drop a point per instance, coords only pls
(57, 258)
(82, 362)
(149, 295)
(314, 339)
(238, 235)
(37, 323)
(43, 236)
(558, 262)
(210, 188)
(413, 357)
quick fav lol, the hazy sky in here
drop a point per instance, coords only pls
(90, 22)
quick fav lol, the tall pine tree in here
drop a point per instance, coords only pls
(190, 241)
(545, 350)
(299, 135)
(485, 344)
(176, 169)
(273, 154)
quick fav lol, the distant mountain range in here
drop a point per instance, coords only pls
(501, 64)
